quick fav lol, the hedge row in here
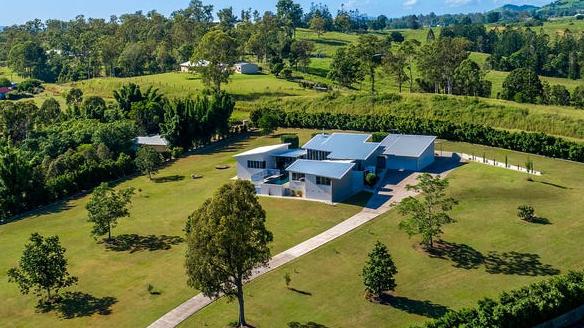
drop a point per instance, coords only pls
(529, 142)
(524, 307)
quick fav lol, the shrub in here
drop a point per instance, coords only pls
(521, 308)
(526, 212)
(31, 86)
(370, 179)
(292, 139)
(176, 152)
(378, 136)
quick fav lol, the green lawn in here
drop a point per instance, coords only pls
(159, 211)
(491, 250)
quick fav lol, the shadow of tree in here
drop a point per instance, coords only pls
(525, 264)
(462, 255)
(423, 308)
(79, 304)
(540, 220)
(302, 292)
(136, 243)
(310, 324)
(170, 178)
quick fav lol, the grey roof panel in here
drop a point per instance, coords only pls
(343, 145)
(327, 169)
(406, 145)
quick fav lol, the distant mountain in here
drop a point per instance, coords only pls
(562, 8)
(517, 8)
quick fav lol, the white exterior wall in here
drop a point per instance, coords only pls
(314, 191)
(343, 188)
(271, 190)
(245, 173)
(427, 157)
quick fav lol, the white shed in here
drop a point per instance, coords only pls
(246, 68)
(408, 152)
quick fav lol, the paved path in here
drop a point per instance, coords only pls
(390, 192)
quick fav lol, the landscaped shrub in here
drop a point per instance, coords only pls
(292, 139)
(524, 307)
(370, 179)
(529, 142)
(526, 212)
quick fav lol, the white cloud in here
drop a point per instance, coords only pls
(410, 3)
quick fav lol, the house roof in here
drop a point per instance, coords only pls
(328, 169)
(343, 145)
(406, 145)
(200, 63)
(293, 153)
(156, 140)
(244, 63)
(265, 150)
(5, 90)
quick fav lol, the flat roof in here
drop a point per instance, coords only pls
(156, 140)
(293, 153)
(406, 145)
(343, 145)
(264, 150)
(328, 169)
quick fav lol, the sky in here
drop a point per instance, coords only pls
(20, 11)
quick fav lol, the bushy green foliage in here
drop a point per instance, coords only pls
(370, 179)
(379, 271)
(526, 212)
(106, 207)
(292, 139)
(535, 143)
(521, 308)
(42, 267)
(147, 161)
(522, 85)
(378, 136)
(30, 86)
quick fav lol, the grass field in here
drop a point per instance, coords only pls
(116, 279)
(489, 250)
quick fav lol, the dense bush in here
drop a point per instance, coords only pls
(524, 307)
(292, 139)
(535, 143)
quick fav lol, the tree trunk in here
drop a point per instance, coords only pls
(109, 231)
(372, 73)
(239, 284)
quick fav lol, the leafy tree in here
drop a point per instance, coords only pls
(127, 95)
(106, 207)
(397, 37)
(395, 64)
(132, 61)
(526, 212)
(42, 268)
(231, 222)
(429, 213)
(438, 60)
(227, 19)
(17, 120)
(148, 160)
(522, 85)
(290, 14)
(93, 108)
(317, 24)
(50, 112)
(4, 82)
(28, 59)
(369, 51)
(219, 50)
(344, 69)
(559, 95)
(300, 51)
(268, 121)
(73, 99)
(578, 96)
(470, 80)
(379, 271)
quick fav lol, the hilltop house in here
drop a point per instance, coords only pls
(246, 68)
(331, 167)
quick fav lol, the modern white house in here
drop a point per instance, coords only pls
(189, 66)
(246, 68)
(331, 167)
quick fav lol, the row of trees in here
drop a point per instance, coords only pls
(534, 143)
(49, 152)
(443, 65)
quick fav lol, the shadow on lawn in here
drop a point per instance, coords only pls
(423, 308)
(466, 257)
(79, 304)
(170, 178)
(136, 243)
(301, 292)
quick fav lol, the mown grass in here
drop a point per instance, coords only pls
(116, 280)
(491, 251)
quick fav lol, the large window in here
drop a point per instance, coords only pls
(317, 155)
(256, 164)
(323, 181)
(297, 176)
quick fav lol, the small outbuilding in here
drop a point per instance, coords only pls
(407, 152)
(246, 68)
(189, 66)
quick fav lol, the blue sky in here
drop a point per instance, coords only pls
(19, 11)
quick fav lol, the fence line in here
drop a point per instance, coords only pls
(491, 162)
